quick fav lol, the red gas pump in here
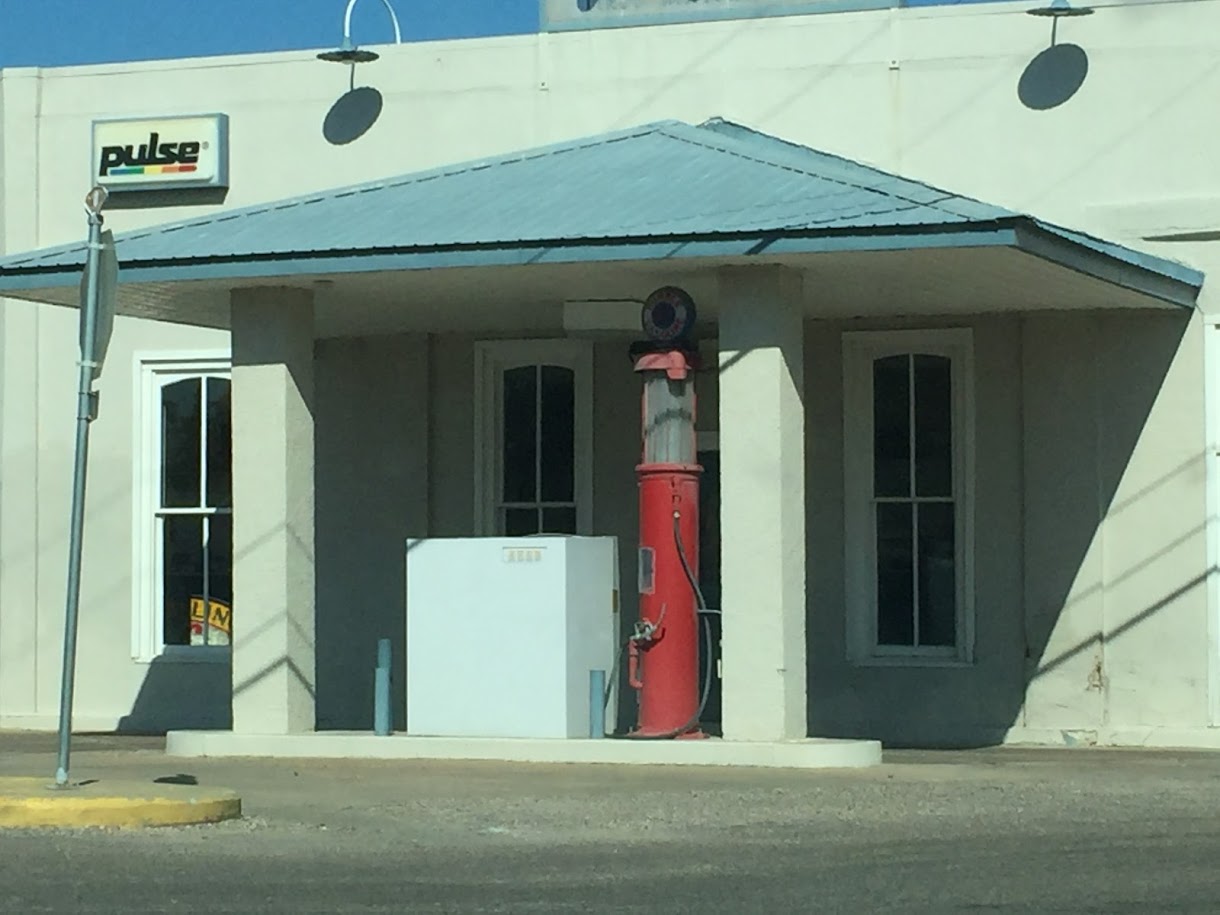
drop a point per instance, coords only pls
(663, 651)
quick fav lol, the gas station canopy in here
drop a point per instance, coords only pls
(716, 193)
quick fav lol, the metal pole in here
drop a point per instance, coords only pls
(347, 20)
(382, 725)
(84, 415)
(597, 704)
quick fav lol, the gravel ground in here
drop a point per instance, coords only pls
(1007, 830)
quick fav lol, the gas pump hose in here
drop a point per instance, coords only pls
(703, 613)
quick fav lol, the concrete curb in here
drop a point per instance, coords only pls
(29, 803)
(811, 753)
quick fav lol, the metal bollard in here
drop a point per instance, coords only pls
(597, 704)
(382, 725)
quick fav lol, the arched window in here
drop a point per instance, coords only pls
(908, 440)
(534, 437)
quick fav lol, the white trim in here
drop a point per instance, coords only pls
(491, 358)
(860, 348)
(1211, 437)
(146, 623)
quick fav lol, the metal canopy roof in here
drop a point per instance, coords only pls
(661, 191)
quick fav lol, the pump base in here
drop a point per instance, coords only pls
(694, 734)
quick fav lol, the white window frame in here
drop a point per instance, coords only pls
(492, 359)
(147, 629)
(860, 349)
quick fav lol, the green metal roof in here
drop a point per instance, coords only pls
(668, 189)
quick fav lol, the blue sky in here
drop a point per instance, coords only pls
(51, 33)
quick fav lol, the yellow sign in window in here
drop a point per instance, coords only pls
(220, 622)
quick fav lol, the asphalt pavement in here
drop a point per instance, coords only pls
(1000, 830)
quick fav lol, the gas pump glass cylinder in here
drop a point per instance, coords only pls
(669, 420)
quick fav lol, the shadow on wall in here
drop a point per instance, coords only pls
(371, 490)
(181, 696)
(182, 197)
(1053, 77)
(1134, 356)
(1087, 386)
(1056, 74)
(352, 115)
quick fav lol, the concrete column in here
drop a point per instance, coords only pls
(762, 503)
(273, 511)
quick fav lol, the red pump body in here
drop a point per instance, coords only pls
(663, 654)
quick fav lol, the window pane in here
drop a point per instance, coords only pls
(220, 444)
(937, 575)
(892, 426)
(520, 431)
(933, 427)
(520, 522)
(220, 579)
(895, 574)
(182, 555)
(181, 426)
(559, 520)
(558, 433)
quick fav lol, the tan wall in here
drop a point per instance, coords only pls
(615, 450)
(1089, 542)
(1088, 387)
(915, 704)
(372, 417)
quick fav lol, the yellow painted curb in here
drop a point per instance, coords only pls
(27, 803)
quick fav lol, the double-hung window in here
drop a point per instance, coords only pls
(184, 517)
(908, 440)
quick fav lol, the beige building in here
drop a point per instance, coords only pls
(957, 404)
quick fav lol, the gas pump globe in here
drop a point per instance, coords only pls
(662, 653)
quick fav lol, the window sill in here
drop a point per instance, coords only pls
(191, 654)
(909, 661)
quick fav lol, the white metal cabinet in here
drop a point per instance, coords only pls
(502, 633)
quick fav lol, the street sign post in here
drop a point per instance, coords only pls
(96, 319)
(107, 286)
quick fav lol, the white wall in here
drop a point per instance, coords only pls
(930, 93)
(1115, 539)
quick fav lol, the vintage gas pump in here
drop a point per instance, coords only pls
(663, 651)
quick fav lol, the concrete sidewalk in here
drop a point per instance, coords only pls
(29, 800)
(810, 753)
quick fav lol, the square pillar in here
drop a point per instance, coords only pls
(273, 511)
(762, 504)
